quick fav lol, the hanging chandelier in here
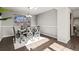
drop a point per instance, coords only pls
(29, 10)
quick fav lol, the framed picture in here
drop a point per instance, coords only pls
(20, 19)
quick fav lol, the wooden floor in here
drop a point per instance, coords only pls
(74, 43)
(7, 44)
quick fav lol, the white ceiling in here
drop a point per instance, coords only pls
(33, 11)
(38, 10)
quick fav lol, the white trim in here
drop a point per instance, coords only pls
(54, 36)
(6, 26)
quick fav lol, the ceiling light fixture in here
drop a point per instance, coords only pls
(28, 12)
(29, 9)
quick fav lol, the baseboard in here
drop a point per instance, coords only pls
(48, 36)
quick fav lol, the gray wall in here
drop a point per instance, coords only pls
(10, 22)
(33, 20)
(7, 25)
(48, 23)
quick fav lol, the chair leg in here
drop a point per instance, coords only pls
(14, 40)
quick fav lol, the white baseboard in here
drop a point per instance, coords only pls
(49, 35)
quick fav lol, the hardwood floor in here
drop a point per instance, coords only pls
(7, 45)
(74, 43)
